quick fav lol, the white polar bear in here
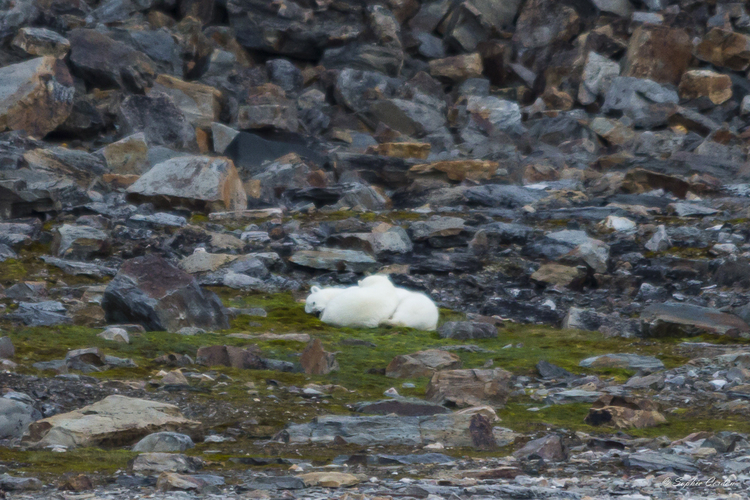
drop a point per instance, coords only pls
(318, 299)
(365, 307)
(415, 310)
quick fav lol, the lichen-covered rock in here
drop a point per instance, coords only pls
(470, 387)
(152, 292)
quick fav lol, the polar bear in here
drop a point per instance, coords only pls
(415, 310)
(318, 299)
(366, 307)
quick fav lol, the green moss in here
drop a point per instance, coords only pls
(49, 464)
(198, 219)
(12, 270)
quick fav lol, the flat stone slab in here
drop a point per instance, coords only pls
(628, 361)
(333, 259)
(685, 319)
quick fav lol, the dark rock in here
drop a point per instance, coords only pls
(159, 119)
(481, 433)
(549, 448)
(404, 407)
(46, 313)
(657, 461)
(549, 371)
(152, 292)
(316, 361)
(236, 357)
(467, 330)
(495, 195)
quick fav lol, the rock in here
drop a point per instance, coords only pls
(627, 361)
(654, 461)
(646, 102)
(496, 195)
(598, 74)
(482, 437)
(724, 48)
(115, 419)
(171, 481)
(284, 74)
(35, 96)
(15, 417)
(164, 442)
(166, 462)
(457, 68)
(330, 479)
(316, 361)
(470, 387)
(236, 357)
(47, 313)
(624, 412)
(79, 242)
(690, 210)
(157, 116)
(658, 53)
(403, 407)
(222, 137)
(384, 239)
(459, 170)
(437, 227)
(659, 241)
(549, 448)
(688, 320)
(104, 62)
(7, 350)
(610, 325)
(705, 83)
(622, 8)
(333, 259)
(200, 104)
(208, 183)
(411, 118)
(10, 483)
(272, 483)
(421, 364)
(467, 330)
(6, 252)
(542, 23)
(154, 293)
(559, 275)
(572, 396)
(81, 482)
(128, 156)
(419, 150)
(549, 371)
(493, 115)
(41, 42)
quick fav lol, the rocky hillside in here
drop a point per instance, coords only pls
(566, 179)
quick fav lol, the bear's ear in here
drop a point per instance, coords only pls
(315, 289)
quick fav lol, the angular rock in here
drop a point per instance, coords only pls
(668, 319)
(627, 361)
(164, 442)
(196, 181)
(225, 355)
(705, 83)
(422, 364)
(41, 42)
(624, 413)
(201, 104)
(724, 48)
(457, 68)
(611, 325)
(330, 479)
(47, 313)
(656, 461)
(549, 448)
(646, 102)
(598, 74)
(501, 196)
(154, 293)
(403, 407)
(166, 462)
(409, 117)
(15, 417)
(128, 156)
(10, 483)
(658, 53)
(36, 96)
(316, 361)
(464, 388)
(559, 275)
(467, 330)
(659, 241)
(157, 116)
(115, 420)
(334, 260)
(79, 242)
(459, 170)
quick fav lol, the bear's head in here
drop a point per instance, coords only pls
(318, 299)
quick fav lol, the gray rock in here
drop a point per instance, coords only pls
(467, 330)
(164, 442)
(646, 102)
(409, 117)
(691, 210)
(80, 268)
(274, 483)
(7, 350)
(79, 242)
(572, 396)
(166, 462)
(334, 260)
(284, 74)
(403, 407)
(549, 448)
(652, 460)
(549, 371)
(47, 313)
(15, 417)
(628, 361)
(222, 137)
(687, 319)
(352, 87)
(157, 116)
(436, 226)
(11, 483)
(659, 241)
(610, 325)
(598, 74)
(6, 252)
(495, 195)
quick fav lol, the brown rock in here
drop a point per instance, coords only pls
(624, 412)
(539, 171)
(481, 433)
(316, 361)
(545, 22)
(128, 156)
(559, 275)
(172, 481)
(201, 104)
(556, 99)
(549, 448)
(81, 482)
(639, 180)
(659, 53)
(705, 83)
(419, 150)
(457, 68)
(422, 364)
(330, 479)
(470, 387)
(41, 42)
(725, 48)
(226, 355)
(613, 131)
(459, 170)
(35, 96)
(117, 181)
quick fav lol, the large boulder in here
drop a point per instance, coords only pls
(658, 53)
(35, 96)
(157, 116)
(114, 421)
(15, 417)
(201, 182)
(154, 293)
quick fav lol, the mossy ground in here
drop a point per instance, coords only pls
(518, 348)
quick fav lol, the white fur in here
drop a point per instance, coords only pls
(415, 310)
(376, 280)
(361, 307)
(319, 298)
